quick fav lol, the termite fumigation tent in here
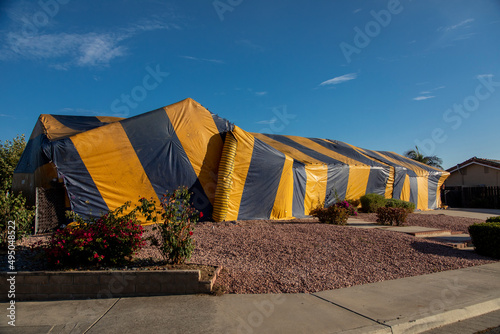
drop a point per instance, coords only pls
(104, 162)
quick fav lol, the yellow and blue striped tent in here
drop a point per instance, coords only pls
(104, 162)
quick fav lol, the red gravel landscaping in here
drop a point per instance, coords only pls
(270, 257)
(441, 221)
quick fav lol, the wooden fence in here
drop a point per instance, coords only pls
(472, 197)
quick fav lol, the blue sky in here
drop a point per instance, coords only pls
(382, 75)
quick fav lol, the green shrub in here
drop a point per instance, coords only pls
(493, 219)
(486, 238)
(391, 216)
(175, 223)
(334, 214)
(10, 153)
(12, 206)
(397, 203)
(371, 202)
(111, 239)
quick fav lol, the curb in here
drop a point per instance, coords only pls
(64, 285)
(428, 322)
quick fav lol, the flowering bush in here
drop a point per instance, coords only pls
(109, 239)
(175, 222)
(348, 206)
(334, 214)
(391, 216)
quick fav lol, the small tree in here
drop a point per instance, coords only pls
(12, 207)
(174, 223)
(431, 160)
(10, 154)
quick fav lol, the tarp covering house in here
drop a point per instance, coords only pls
(102, 162)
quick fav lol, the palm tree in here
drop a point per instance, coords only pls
(432, 160)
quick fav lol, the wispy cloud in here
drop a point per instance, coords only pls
(340, 79)
(357, 10)
(66, 50)
(482, 76)
(203, 59)
(89, 49)
(250, 45)
(464, 37)
(456, 26)
(260, 93)
(8, 116)
(425, 94)
(423, 97)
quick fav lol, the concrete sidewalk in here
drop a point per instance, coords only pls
(408, 305)
(468, 213)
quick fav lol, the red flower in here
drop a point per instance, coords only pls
(190, 232)
(201, 214)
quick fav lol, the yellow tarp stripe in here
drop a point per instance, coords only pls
(316, 174)
(113, 165)
(109, 119)
(55, 129)
(317, 179)
(359, 173)
(241, 165)
(323, 150)
(405, 192)
(38, 129)
(283, 203)
(358, 181)
(288, 150)
(423, 193)
(389, 188)
(200, 139)
(410, 166)
(422, 181)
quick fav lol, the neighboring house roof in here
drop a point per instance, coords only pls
(478, 161)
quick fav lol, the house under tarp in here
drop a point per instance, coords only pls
(103, 162)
